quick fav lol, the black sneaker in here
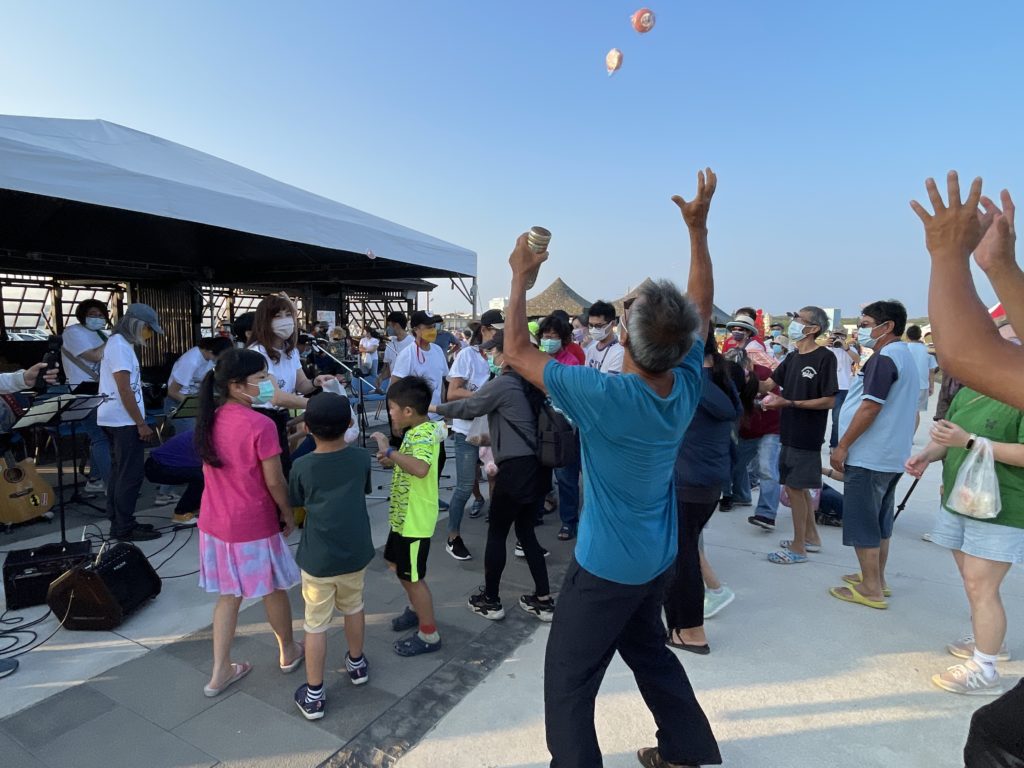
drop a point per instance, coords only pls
(520, 552)
(828, 520)
(311, 710)
(762, 522)
(457, 549)
(486, 607)
(725, 505)
(358, 672)
(542, 609)
(138, 534)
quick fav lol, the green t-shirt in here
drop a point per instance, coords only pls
(1000, 423)
(414, 499)
(336, 536)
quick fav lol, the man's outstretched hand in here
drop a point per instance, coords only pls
(524, 262)
(956, 229)
(695, 212)
(998, 247)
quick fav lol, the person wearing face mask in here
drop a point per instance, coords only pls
(81, 354)
(275, 335)
(780, 347)
(571, 343)
(743, 333)
(426, 359)
(809, 385)
(123, 417)
(398, 339)
(876, 434)
(245, 512)
(846, 358)
(604, 353)
(579, 333)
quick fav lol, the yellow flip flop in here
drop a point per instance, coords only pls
(856, 597)
(887, 591)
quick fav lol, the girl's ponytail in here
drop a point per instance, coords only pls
(204, 421)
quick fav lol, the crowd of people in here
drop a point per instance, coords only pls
(646, 416)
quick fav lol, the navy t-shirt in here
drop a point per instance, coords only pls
(629, 437)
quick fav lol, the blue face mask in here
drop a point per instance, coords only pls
(776, 332)
(95, 323)
(266, 388)
(865, 339)
(550, 346)
(796, 331)
(777, 349)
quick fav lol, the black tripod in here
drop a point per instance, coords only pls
(356, 373)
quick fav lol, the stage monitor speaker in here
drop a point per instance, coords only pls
(99, 595)
(29, 572)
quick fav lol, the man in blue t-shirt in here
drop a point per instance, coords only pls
(876, 433)
(630, 427)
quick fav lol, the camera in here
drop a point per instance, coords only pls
(52, 360)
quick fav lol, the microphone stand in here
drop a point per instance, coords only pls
(355, 374)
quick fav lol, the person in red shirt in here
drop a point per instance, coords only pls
(743, 333)
(759, 439)
(570, 346)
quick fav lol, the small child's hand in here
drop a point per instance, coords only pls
(287, 523)
(382, 442)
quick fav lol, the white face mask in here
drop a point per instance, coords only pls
(600, 334)
(352, 434)
(95, 323)
(283, 327)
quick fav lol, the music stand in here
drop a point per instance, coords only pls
(85, 388)
(187, 408)
(51, 413)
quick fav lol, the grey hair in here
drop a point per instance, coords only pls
(131, 329)
(662, 327)
(818, 318)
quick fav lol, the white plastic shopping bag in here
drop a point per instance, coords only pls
(976, 490)
(479, 433)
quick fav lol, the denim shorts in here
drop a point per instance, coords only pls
(978, 538)
(869, 503)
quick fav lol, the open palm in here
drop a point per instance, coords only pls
(997, 248)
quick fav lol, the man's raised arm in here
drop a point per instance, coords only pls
(968, 344)
(700, 286)
(528, 361)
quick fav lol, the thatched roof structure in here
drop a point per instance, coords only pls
(719, 317)
(558, 295)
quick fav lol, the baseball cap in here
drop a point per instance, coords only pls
(328, 412)
(493, 318)
(146, 314)
(419, 317)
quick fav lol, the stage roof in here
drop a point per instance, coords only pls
(89, 198)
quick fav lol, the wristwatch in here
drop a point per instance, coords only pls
(970, 441)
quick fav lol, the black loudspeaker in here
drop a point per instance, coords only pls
(29, 572)
(99, 595)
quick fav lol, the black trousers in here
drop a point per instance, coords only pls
(127, 452)
(190, 477)
(511, 507)
(594, 619)
(280, 419)
(996, 738)
(684, 599)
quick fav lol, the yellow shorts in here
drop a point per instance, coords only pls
(323, 595)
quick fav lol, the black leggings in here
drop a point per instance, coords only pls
(280, 418)
(508, 509)
(684, 600)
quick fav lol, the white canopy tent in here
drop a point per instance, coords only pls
(83, 196)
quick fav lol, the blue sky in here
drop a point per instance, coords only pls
(474, 121)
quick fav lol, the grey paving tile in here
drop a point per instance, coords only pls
(35, 727)
(121, 737)
(161, 687)
(243, 732)
(396, 675)
(197, 651)
(13, 755)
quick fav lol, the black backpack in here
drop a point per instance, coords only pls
(555, 441)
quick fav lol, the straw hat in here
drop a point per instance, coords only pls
(746, 322)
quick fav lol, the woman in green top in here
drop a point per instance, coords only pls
(984, 550)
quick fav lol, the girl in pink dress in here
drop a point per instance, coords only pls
(242, 551)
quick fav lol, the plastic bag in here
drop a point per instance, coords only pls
(976, 490)
(479, 432)
(815, 498)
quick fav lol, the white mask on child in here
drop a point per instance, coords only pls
(351, 434)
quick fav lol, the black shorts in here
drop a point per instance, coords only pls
(409, 556)
(799, 468)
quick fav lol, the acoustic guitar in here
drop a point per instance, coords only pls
(24, 495)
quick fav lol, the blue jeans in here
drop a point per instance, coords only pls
(840, 399)
(745, 453)
(568, 480)
(466, 457)
(99, 448)
(831, 501)
(768, 474)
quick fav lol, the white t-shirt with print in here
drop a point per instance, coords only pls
(431, 365)
(118, 356)
(607, 360)
(284, 371)
(844, 368)
(471, 367)
(393, 348)
(189, 371)
(78, 339)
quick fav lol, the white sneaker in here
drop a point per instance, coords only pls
(968, 679)
(163, 499)
(964, 649)
(95, 486)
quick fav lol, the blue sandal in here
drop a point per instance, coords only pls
(414, 645)
(786, 557)
(407, 620)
